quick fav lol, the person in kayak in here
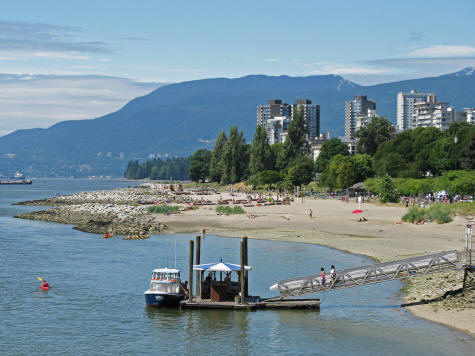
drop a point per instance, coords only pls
(45, 285)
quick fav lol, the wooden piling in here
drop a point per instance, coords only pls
(190, 282)
(242, 278)
(246, 263)
(198, 273)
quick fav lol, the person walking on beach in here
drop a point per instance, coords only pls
(204, 232)
(310, 213)
(322, 275)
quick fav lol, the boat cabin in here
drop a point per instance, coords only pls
(166, 274)
(165, 280)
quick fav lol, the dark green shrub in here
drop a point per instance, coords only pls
(226, 209)
(162, 209)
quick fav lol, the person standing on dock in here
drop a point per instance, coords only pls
(322, 275)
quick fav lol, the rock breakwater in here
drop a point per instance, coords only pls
(442, 290)
(117, 211)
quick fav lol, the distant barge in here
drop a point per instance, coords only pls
(18, 178)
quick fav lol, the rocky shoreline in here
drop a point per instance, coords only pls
(119, 211)
(442, 290)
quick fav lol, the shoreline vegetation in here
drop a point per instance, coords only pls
(160, 208)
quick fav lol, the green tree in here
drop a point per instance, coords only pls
(215, 168)
(278, 159)
(235, 157)
(340, 173)
(467, 154)
(363, 165)
(261, 154)
(269, 177)
(300, 173)
(371, 136)
(329, 149)
(296, 142)
(131, 171)
(200, 165)
(397, 157)
(388, 192)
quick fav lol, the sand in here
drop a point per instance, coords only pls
(382, 236)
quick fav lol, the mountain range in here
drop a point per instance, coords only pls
(177, 119)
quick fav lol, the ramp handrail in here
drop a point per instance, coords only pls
(375, 273)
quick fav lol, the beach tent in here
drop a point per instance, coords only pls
(220, 267)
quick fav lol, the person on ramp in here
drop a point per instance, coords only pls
(322, 275)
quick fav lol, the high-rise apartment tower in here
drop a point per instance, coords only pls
(405, 107)
(358, 107)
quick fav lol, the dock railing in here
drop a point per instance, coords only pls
(376, 273)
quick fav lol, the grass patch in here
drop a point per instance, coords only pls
(440, 213)
(162, 209)
(226, 209)
(467, 208)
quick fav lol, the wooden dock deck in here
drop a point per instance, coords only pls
(198, 303)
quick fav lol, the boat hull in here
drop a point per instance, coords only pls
(160, 300)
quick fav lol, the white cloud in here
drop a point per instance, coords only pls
(323, 68)
(61, 55)
(443, 51)
(271, 60)
(30, 101)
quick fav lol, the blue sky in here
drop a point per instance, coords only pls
(168, 41)
(153, 41)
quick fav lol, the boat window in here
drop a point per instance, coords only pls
(165, 287)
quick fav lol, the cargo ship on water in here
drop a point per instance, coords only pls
(18, 178)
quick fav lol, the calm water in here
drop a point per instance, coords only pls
(97, 304)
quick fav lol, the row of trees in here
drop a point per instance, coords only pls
(416, 153)
(232, 160)
(453, 182)
(411, 154)
(176, 168)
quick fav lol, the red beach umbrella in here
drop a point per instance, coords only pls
(356, 211)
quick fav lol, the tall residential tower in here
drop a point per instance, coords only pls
(405, 107)
(359, 107)
(276, 115)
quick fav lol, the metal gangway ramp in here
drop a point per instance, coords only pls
(376, 273)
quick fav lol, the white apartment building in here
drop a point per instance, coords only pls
(277, 129)
(405, 107)
(358, 107)
(363, 121)
(468, 115)
(276, 115)
(432, 113)
(274, 108)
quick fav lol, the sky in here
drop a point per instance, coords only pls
(152, 41)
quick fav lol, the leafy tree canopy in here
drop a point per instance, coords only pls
(261, 153)
(371, 136)
(200, 165)
(329, 149)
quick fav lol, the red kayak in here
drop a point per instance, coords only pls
(45, 287)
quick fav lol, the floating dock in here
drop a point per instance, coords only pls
(261, 304)
(216, 293)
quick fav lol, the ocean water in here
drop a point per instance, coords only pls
(97, 305)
